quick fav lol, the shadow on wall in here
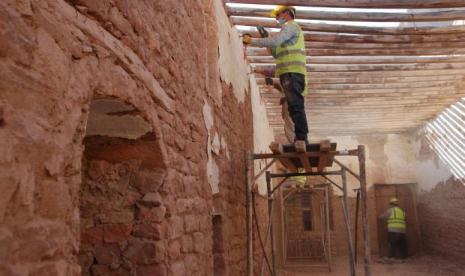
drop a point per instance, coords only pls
(122, 214)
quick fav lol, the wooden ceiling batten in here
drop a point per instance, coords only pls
(376, 67)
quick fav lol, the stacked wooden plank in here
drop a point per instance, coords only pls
(373, 66)
(299, 162)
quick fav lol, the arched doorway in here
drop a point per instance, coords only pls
(121, 212)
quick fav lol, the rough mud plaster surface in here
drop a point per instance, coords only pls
(232, 65)
(442, 219)
(389, 158)
(262, 132)
(51, 66)
(430, 170)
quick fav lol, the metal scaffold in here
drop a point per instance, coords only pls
(310, 161)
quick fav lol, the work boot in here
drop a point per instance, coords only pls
(300, 146)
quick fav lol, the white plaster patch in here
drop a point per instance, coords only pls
(231, 62)
(216, 144)
(400, 166)
(207, 116)
(213, 174)
(224, 146)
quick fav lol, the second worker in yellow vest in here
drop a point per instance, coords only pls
(397, 230)
(288, 48)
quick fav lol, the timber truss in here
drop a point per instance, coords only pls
(310, 161)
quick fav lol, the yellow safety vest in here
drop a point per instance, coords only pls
(301, 179)
(292, 58)
(397, 219)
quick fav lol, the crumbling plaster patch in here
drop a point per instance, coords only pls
(113, 118)
(232, 65)
(213, 172)
(389, 159)
(429, 169)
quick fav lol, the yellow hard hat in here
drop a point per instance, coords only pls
(281, 8)
(394, 200)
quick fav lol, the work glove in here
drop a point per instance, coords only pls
(246, 39)
(268, 81)
(263, 33)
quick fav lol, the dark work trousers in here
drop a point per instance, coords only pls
(397, 245)
(293, 86)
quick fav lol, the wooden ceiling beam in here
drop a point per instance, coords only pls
(341, 121)
(442, 86)
(387, 73)
(374, 80)
(372, 38)
(416, 15)
(318, 135)
(366, 110)
(253, 51)
(400, 113)
(388, 59)
(372, 117)
(390, 46)
(425, 28)
(312, 98)
(370, 67)
(378, 4)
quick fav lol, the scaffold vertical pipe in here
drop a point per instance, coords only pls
(328, 227)
(363, 193)
(357, 207)
(345, 203)
(270, 216)
(249, 214)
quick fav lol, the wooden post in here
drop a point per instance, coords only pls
(249, 214)
(345, 208)
(270, 215)
(363, 193)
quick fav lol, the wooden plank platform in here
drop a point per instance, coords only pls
(323, 160)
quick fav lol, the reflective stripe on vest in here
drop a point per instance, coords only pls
(292, 58)
(397, 219)
(290, 52)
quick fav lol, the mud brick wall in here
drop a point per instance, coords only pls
(442, 219)
(58, 210)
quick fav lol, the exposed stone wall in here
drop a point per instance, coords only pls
(440, 202)
(442, 219)
(160, 57)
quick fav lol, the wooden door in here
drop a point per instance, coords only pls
(407, 201)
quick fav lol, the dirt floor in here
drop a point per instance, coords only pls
(414, 266)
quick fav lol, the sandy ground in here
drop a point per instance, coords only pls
(414, 266)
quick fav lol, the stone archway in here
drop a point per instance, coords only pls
(122, 213)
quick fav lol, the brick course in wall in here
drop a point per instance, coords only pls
(442, 219)
(57, 56)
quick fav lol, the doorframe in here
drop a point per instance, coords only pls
(413, 186)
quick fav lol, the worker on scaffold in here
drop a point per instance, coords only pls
(288, 48)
